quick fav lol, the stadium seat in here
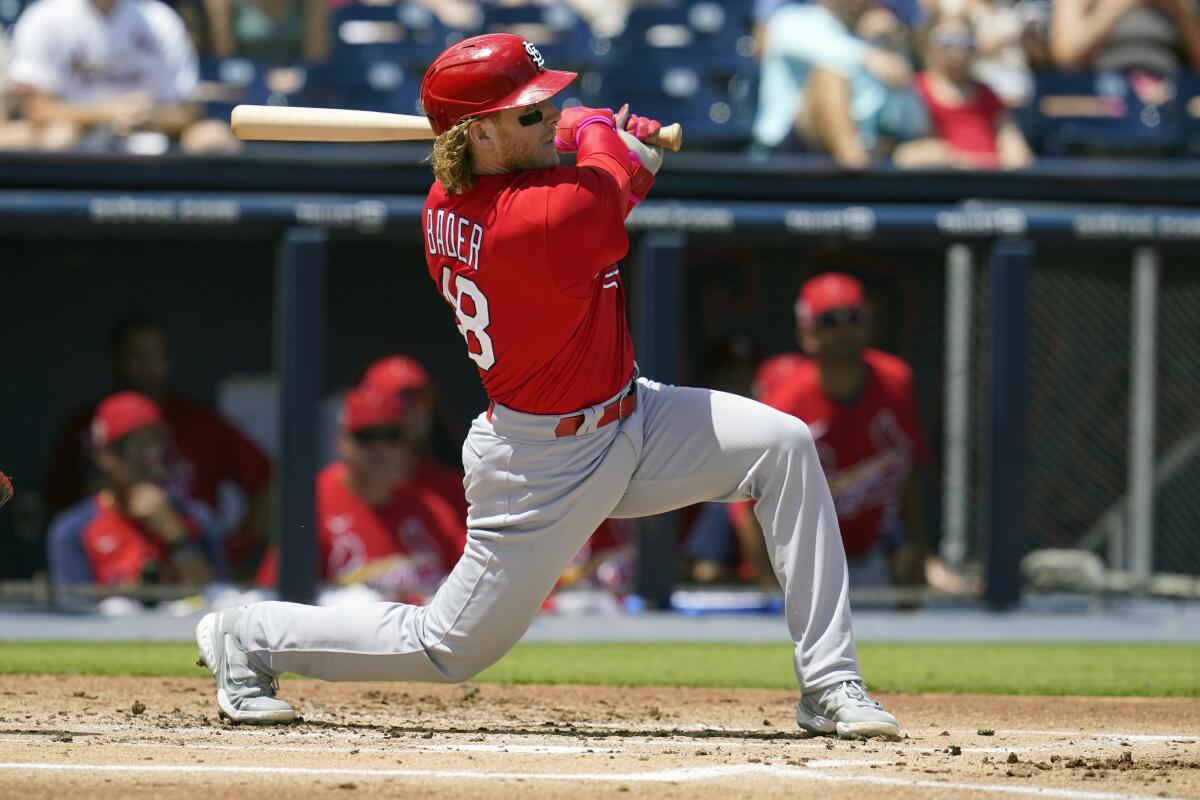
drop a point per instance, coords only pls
(227, 82)
(408, 34)
(1189, 102)
(380, 85)
(560, 35)
(717, 35)
(713, 110)
(1106, 113)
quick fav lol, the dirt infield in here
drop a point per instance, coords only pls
(121, 737)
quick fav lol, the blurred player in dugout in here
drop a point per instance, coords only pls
(860, 405)
(380, 527)
(201, 450)
(391, 519)
(134, 531)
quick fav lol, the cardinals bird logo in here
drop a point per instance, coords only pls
(6, 490)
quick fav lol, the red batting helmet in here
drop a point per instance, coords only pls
(486, 73)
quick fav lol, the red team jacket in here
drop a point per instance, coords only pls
(528, 262)
(410, 544)
(867, 449)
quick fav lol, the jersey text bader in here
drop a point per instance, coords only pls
(450, 234)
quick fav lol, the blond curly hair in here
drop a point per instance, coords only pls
(451, 158)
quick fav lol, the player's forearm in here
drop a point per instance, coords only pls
(45, 109)
(172, 119)
(1012, 148)
(602, 149)
(912, 514)
(1074, 36)
(259, 517)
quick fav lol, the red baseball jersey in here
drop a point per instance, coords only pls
(119, 548)
(408, 545)
(867, 448)
(528, 262)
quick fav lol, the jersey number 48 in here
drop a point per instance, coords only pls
(471, 316)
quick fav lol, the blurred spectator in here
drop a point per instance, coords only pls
(202, 449)
(1156, 37)
(14, 134)
(1008, 40)
(278, 32)
(825, 86)
(103, 73)
(134, 531)
(972, 126)
(405, 378)
(377, 526)
(860, 406)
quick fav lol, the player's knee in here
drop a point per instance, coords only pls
(794, 437)
(462, 667)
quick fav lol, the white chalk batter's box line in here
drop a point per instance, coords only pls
(689, 774)
(811, 763)
(600, 746)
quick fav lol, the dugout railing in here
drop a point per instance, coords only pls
(985, 268)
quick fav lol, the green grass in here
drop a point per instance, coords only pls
(1079, 669)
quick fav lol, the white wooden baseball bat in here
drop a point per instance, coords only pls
(291, 124)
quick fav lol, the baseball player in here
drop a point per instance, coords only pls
(376, 526)
(525, 253)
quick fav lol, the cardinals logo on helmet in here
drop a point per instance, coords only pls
(535, 56)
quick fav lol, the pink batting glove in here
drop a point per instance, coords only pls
(642, 128)
(574, 120)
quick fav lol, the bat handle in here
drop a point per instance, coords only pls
(668, 136)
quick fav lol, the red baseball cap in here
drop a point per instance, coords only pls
(121, 414)
(367, 407)
(396, 374)
(828, 291)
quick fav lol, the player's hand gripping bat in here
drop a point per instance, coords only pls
(290, 124)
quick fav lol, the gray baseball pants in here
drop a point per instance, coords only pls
(534, 500)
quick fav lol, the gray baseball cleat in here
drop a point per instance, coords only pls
(244, 693)
(845, 709)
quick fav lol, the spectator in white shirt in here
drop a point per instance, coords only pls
(14, 134)
(99, 72)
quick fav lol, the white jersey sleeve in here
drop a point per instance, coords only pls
(178, 80)
(37, 59)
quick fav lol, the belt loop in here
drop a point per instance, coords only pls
(591, 419)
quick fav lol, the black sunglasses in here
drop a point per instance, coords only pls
(839, 316)
(379, 435)
(531, 117)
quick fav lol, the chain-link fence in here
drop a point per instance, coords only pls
(1177, 463)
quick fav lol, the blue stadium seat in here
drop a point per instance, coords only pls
(715, 34)
(715, 111)
(381, 85)
(408, 34)
(560, 35)
(227, 82)
(1189, 102)
(1102, 113)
